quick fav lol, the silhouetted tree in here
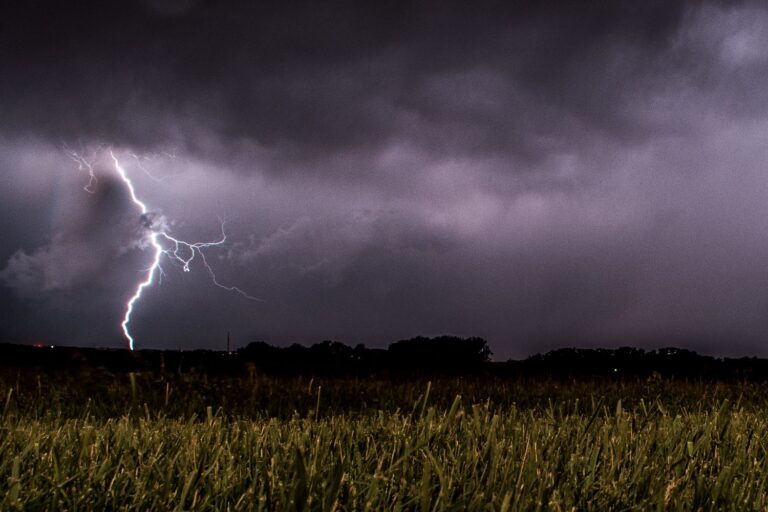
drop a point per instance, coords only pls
(443, 353)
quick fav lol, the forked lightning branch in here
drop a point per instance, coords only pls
(157, 233)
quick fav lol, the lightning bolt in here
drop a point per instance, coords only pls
(159, 237)
(85, 163)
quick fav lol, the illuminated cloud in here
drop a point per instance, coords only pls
(538, 173)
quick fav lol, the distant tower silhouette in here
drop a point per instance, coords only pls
(228, 351)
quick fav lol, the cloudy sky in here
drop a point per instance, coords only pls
(539, 173)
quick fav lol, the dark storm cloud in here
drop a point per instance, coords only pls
(318, 78)
(86, 245)
(540, 173)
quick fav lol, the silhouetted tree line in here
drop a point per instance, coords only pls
(420, 356)
(444, 355)
(630, 362)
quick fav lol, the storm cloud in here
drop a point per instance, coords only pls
(538, 173)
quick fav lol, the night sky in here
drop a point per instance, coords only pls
(538, 173)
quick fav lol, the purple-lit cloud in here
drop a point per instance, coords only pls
(538, 174)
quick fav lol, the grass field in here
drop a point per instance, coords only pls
(148, 442)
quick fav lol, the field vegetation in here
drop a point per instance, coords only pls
(96, 440)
